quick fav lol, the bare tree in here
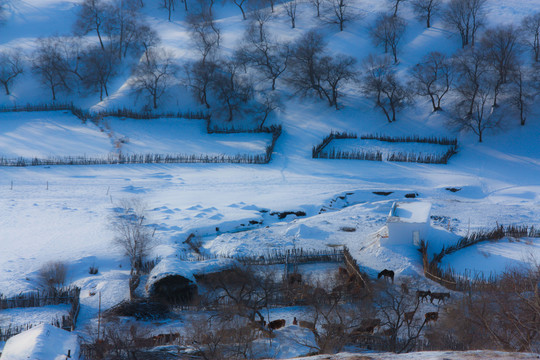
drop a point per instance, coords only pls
(200, 75)
(232, 89)
(267, 55)
(304, 73)
(317, 4)
(51, 61)
(381, 84)
(501, 47)
(133, 236)
(169, 5)
(522, 92)
(290, 9)
(465, 16)
(268, 103)
(240, 4)
(52, 275)
(91, 17)
(471, 73)
(502, 315)
(433, 77)
(393, 305)
(425, 9)
(341, 13)
(98, 68)
(259, 18)
(205, 34)
(335, 72)
(154, 74)
(387, 32)
(530, 25)
(395, 5)
(483, 116)
(11, 66)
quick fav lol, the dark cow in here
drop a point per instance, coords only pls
(439, 296)
(431, 316)
(276, 324)
(422, 295)
(387, 274)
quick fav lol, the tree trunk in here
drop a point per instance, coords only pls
(6, 87)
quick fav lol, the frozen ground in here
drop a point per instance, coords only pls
(63, 212)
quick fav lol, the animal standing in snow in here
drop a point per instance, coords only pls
(439, 296)
(276, 324)
(387, 274)
(422, 295)
(431, 316)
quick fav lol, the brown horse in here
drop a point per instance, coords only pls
(431, 316)
(387, 274)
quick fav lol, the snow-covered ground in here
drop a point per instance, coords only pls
(63, 212)
(61, 134)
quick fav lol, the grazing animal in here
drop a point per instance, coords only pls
(276, 324)
(439, 296)
(368, 326)
(409, 316)
(431, 316)
(422, 295)
(387, 274)
(307, 324)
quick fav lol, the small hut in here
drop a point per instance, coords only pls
(172, 280)
(408, 223)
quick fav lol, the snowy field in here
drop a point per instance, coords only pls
(64, 212)
(60, 134)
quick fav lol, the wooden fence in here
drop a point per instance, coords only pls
(149, 158)
(353, 269)
(297, 256)
(38, 299)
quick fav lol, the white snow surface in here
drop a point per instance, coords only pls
(42, 342)
(411, 212)
(63, 212)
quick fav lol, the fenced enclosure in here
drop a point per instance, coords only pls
(141, 158)
(69, 295)
(452, 280)
(319, 151)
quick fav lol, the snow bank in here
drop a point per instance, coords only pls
(43, 342)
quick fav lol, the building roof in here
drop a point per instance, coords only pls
(410, 212)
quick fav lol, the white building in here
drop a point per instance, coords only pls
(408, 223)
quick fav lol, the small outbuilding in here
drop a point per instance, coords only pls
(43, 342)
(172, 280)
(408, 223)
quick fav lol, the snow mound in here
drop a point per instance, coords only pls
(43, 342)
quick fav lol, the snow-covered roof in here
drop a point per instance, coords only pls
(170, 266)
(42, 342)
(410, 212)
